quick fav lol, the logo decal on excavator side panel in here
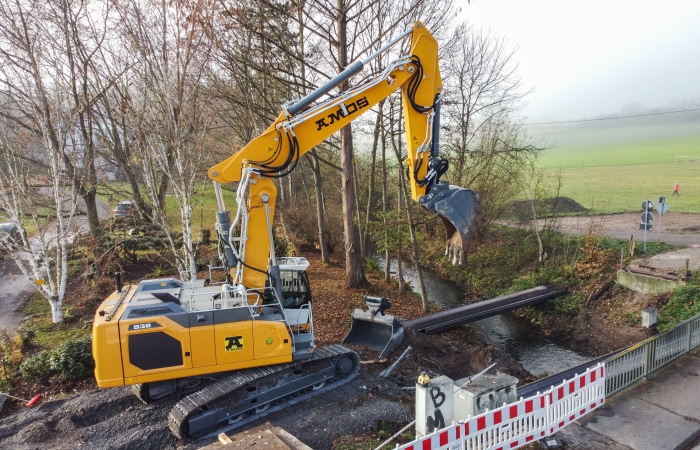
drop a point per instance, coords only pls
(343, 111)
(234, 343)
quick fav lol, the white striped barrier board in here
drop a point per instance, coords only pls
(575, 398)
(517, 424)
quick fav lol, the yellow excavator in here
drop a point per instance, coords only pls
(239, 349)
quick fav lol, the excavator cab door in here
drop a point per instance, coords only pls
(295, 288)
(296, 293)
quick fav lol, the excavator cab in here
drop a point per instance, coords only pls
(295, 289)
(296, 294)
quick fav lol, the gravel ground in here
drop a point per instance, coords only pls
(116, 419)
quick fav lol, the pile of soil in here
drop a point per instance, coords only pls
(557, 205)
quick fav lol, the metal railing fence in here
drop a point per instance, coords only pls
(638, 361)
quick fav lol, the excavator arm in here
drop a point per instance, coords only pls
(308, 122)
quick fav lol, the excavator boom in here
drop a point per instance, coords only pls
(308, 122)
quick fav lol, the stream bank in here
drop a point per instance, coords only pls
(525, 342)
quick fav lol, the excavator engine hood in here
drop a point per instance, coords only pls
(458, 208)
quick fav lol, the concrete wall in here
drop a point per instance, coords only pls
(646, 284)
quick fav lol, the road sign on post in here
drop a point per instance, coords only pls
(647, 219)
(662, 207)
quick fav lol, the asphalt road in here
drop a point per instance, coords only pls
(16, 289)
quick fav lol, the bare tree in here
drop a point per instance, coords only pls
(119, 112)
(47, 57)
(345, 28)
(48, 209)
(260, 65)
(261, 52)
(543, 201)
(404, 195)
(315, 164)
(481, 83)
(488, 152)
(386, 13)
(171, 101)
(498, 166)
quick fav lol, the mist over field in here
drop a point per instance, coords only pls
(611, 164)
(623, 128)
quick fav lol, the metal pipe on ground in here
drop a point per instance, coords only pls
(452, 318)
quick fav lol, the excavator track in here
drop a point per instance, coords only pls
(247, 395)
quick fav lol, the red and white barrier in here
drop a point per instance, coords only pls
(517, 424)
(575, 398)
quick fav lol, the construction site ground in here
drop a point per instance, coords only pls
(80, 415)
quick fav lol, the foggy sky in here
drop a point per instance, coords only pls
(584, 59)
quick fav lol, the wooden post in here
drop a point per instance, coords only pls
(622, 258)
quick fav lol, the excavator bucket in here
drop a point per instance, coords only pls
(458, 208)
(374, 329)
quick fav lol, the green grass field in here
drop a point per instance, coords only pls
(609, 171)
(204, 204)
(607, 167)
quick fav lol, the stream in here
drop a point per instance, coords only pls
(536, 353)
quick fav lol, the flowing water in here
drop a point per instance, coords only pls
(536, 353)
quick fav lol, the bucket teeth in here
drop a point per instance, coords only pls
(458, 208)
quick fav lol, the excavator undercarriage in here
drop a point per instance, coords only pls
(239, 398)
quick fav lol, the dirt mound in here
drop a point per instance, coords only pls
(560, 205)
